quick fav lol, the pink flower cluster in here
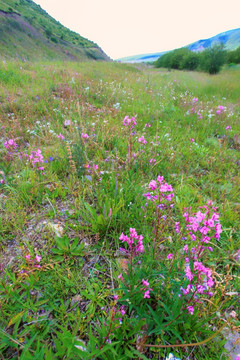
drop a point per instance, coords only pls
(200, 278)
(220, 110)
(93, 170)
(177, 227)
(195, 108)
(93, 166)
(84, 136)
(206, 223)
(37, 258)
(160, 190)
(36, 158)
(60, 136)
(146, 289)
(152, 161)
(202, 226)
(10, 145)
(134, 241)
(32, 262)
(129, 122)
(190, 309)
(195, 111)
(142, 140)
(117, 312)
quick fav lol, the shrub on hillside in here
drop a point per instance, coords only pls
(190, 61)
(178, 57)
(53, 39)
(212, 59)
(48, 32)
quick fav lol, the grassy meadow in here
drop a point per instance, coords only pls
(88, 153)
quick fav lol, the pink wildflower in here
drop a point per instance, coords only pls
(160, 179)
(60, 136)
(186, 291)
(152, 185)
(177, 227)
(146, 295)
(122, 311)
(190, 309)
(127, 121)
(10, 144)
(162, 189)
(188, 273)
(218, 231)
(152, 161)
(135, 242)
(35, 158)
(220, 110)
(142, 140)
(145, 282)
(120, 276)
(84, 136)
(170, 256)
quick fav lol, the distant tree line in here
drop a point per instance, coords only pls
(209, 60)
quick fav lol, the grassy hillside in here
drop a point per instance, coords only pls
(28, 32)
(89, 153)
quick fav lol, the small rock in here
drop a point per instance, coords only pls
(233, 343)
(76, 299)
(57, 228)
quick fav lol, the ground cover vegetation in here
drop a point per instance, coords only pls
(119, 211)
(210, 60)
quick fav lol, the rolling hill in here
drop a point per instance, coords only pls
(27, 32)
(231, 40)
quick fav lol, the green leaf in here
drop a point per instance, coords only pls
(57, 251)
(16, 317)
(26, 347)
(100, 219)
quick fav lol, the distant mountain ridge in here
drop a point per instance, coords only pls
(142, 58)
(27, 32)
(230, 38)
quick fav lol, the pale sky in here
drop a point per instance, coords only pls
(131, 27)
